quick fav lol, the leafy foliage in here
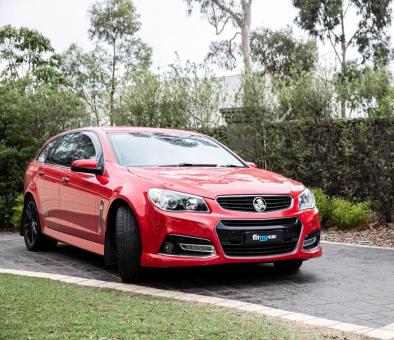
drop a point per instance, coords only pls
(281, 54)
(17, 211)
(28, 116)
(344, 214)
(323, 203)
(368, 91)
(26, 53)
(186, 96)
(221, 13)
(97, 75)
(327, 20)
(33, 106)
(347, 158)
(307, 95)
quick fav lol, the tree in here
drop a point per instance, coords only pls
(307, 95)
(221, 13)
(114, 24)
(26, 53)
(368, 91)
(327, 20)
(88, 79)
(34, 105)
(29, 114)
(186, 96)
(281, 54)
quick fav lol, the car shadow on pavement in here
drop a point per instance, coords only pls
(196, 279)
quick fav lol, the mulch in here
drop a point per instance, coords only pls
(374, 234)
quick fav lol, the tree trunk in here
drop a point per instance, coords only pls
(343, 61)
(245, 47)
(245, 36)
(113, 85)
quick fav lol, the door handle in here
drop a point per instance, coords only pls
(41, 173)
(65, 179)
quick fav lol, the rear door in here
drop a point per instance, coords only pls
(47, 183)
(79, 193)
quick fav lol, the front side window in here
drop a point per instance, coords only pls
(85, 148)
(62, 153)
(150, 150)
(46, 151)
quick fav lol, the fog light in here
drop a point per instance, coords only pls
(309, 242)
(168, 247)
(202, 248)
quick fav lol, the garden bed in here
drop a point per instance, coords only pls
(378, 235)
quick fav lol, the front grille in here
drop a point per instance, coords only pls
(245, 203)
(232, 236)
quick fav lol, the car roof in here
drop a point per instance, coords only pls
(127, 129)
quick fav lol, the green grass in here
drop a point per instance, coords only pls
(32, 308)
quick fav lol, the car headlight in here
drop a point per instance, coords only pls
(306, 200)
(176, 201)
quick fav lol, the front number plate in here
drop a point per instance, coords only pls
(263, 237)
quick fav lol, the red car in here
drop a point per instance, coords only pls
(145, 197)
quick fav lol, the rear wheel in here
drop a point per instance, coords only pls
(128, 246)
(34, 239)
(288, 266)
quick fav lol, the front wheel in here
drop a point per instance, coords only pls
(289, 266)
(128, 246)
(34, 239)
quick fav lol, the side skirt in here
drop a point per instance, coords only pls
(94, 247)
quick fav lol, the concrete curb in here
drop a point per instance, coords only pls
(386, 332)
(356, 245)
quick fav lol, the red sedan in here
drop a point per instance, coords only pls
(146, 197)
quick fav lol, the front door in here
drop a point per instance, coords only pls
(79, 193)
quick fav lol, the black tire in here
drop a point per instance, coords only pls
(128, 246)
(289, 266)
(31, 228)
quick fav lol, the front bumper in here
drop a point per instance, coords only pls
(156, 225)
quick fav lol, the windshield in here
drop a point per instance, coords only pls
(148, 149)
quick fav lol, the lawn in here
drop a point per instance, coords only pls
(33, 308)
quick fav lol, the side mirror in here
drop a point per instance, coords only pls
(251, 164)
(89, 166)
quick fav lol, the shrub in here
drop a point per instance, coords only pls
(323, 203)
(345, 214)
(17, 211)
(352, 159)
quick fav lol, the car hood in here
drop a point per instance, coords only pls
(213, 182)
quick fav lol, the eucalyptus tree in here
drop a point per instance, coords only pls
(281, 54)
(332, 21)
(220, 14)
(118, 51)
(26, 53)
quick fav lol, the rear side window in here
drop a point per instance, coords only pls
(46, 151)
(62, 152)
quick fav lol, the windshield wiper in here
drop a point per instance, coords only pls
(229, 166)
(202, 165)
(188, 164)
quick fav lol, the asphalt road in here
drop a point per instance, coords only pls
(349, 284)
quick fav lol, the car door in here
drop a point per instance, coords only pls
(79, 193)
(53, 175)
(47, 185)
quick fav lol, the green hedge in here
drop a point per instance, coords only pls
(348, 158)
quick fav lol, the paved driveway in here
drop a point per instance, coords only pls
(348, 284)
